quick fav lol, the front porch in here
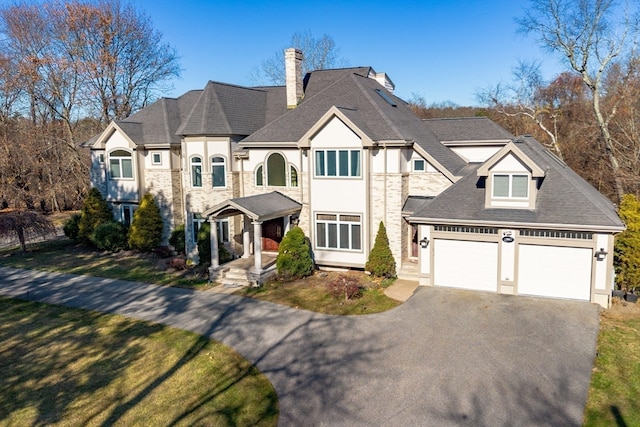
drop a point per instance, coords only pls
(242, 272)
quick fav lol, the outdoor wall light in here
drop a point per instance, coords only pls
(424, 243)
(601, 254)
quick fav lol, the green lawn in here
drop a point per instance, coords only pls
(614, 395)
(69, 367)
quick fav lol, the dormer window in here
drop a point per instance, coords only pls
(512, 186)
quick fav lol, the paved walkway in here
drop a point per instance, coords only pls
(445, 357)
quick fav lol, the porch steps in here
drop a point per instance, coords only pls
(410, 270)
(234, 278)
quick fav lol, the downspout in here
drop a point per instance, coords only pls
(384, 145)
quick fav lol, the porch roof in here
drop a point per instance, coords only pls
(260, 207)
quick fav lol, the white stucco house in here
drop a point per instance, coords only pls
(465, 203)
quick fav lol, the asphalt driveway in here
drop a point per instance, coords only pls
(444, 357)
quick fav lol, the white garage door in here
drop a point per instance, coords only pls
(554, 272)
(466, 265)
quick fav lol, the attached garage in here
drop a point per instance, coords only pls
(465, 264)
(552, 271)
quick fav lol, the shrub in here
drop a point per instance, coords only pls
(294, 255)
(381, 262)
(345, 286)
(204, 247)
(145, 233)
(177, 239)
(627, 247)
(95, 211)
(110, 236)
(71, 227)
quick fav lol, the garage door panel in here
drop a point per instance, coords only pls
(550, 271)
(465, 264)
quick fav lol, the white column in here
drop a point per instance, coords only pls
(213, 238)
(257, 245)
(246, 240)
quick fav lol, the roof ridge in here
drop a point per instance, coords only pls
(377, 107)
(166, 121)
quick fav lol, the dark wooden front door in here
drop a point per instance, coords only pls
(272, 231)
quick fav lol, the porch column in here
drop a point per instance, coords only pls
(246, 240)
(257, 246)
(213, 238)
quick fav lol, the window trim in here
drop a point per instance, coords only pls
(222, 163)
(327, 163)
(197, 220)
(510, 176)
(131, 208)
(153, 158)
(259, 173)
(413, 165)
(192, 164)
(119, 158)
(294, 171)
(338, 223)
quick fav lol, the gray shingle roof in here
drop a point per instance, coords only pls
(564, 199)
(260, 207)
(467, 129)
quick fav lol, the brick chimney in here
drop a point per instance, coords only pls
(293, 76)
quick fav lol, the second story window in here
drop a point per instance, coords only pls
(196, 172)
(276, 170)
(510, 186)
(218, 172)
(337, 163)
(120, 165)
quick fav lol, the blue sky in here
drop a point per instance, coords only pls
(444, 50)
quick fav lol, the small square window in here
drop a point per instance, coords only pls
(418, 165)
(156, 158)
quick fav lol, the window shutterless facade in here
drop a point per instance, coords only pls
(339, 231)
(337, 163)
(120, 165)
(514, 186)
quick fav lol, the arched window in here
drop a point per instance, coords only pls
(196, 171)
(276, 170)
(259, 179)
(218, 172)
(293, 176)
(120, 165)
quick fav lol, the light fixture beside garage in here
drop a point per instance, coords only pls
(601, 254)
(424, 243)
(507, 236)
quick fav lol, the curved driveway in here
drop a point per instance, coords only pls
(444, 357)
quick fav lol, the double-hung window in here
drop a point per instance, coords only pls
(218, 172)
(196, 172)
(120, 164)
(339, 231)
(510, 186)
(337, 163)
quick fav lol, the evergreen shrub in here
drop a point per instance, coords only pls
(110, 236)
(627, 246)
(177, 239)
(381, 262)
(294, 255)
(71, 227)
(95, 211)
(145, 233)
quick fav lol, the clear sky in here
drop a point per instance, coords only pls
(444, 50)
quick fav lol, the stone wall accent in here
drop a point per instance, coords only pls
(427, 184)
(392, 218)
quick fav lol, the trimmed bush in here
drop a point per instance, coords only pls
(627, 247)
(204, 247)
(177, 239)
(95, 211)
(381, 262)
(110, 236)
(145, 233)
(294, 255)
(71, 227)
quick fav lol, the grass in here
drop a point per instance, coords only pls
(614, 395)
(69, 367)
(65, 256)
(312, 293)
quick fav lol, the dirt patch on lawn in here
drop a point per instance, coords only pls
(622, 310)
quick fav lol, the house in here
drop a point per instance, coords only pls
(465, 203)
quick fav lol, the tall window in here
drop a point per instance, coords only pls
(218, 172)
(196, 223)
(344, 163)
(276, 170)
(259, 179)
(126, 215)
(511, 185)
(196, 172)
(337, 231)
(120, 165)
(293, 176)
(221, 224)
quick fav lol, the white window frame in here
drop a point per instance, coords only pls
(328, 158)
(123, 216)
(119, 159)
(424, 165)
(216, 163)
(259, 174)
(193, 163)
(293, 170)
(101, 158)
(267, 171)
(153, 158)
(324, 225)
(510, 176)
(196, 222)
(221, 224)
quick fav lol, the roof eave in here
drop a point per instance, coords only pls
(512, 224)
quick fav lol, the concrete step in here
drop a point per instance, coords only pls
(410, 270)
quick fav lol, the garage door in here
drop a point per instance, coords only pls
(551, 271)
(466, 265)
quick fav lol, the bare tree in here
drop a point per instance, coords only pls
(521, 98)
(25, 225)
(318, 54)
(591, 35)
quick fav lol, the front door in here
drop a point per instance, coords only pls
(272, 234)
